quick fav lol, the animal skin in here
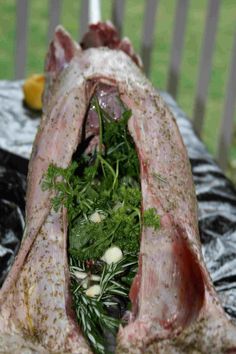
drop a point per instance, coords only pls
(175, 308)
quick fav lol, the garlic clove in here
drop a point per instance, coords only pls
(96, 217)
(93, 291)
(112, 255)
(85, 283)
(80, 275)
(95, 277)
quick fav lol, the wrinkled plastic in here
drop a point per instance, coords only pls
(12, 203)
(216, 195)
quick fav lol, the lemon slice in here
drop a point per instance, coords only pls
(33, 89)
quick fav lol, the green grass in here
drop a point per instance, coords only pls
(37, 39)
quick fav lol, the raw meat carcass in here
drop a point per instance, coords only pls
(175, 308)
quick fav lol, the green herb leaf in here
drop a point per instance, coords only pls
(151, 219)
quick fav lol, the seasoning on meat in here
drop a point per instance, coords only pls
(175, 308)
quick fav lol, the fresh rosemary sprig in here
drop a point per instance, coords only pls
(92, 313)
(108, 283)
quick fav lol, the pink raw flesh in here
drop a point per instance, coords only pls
(175, 307)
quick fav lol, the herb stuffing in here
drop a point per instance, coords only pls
(102, 194)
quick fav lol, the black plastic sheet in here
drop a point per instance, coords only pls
(216, 195)
(12, 191)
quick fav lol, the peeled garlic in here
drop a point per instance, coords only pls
(85, 283)
(112, 255)
(93, 291)
(96, 217)
(80, 275)
(95, 277)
